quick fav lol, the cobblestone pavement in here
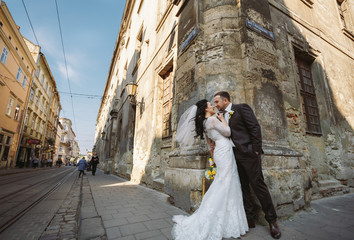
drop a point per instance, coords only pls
(11, 171)
(37, 220)
(64, 224)
(129, 211)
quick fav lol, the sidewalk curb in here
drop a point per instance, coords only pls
(90, 222)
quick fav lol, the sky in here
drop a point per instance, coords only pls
(89, 31)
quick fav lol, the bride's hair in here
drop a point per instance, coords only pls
(200, 117)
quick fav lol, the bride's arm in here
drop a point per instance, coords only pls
(221, 126)
(211, 145)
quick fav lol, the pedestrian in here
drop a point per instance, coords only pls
(49, 162)
(35, 162)
(94, 162)
(82, 166)
(59, 162)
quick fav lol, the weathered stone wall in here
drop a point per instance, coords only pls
(212, 46)
(317, 32)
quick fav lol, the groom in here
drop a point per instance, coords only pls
(246, 136)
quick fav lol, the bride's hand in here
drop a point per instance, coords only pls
(221, 116)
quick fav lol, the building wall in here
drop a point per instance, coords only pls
(42, 115)
(252, 49)
(67, 149)
(12, 86)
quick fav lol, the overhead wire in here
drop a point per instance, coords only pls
(82, 95)
(35, 36)
(66, 65)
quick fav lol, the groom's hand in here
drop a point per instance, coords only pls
(212, 145)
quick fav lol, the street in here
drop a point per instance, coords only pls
(108, 207)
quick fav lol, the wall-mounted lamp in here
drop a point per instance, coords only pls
(103, 134)
(131, 90)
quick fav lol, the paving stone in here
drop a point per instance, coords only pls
(131, 229)
(149, 234)
(115, 222)
(113, 233)
(139, 218)
(157, 224)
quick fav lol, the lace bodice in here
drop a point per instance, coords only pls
(216, 130)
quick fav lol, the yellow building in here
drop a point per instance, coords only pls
(42, 116)
(16, 70)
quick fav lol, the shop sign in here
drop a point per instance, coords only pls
(33, 141)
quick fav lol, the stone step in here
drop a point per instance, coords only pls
(159, 184)
(331, 190)
(328, 183)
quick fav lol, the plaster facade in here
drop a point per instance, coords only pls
(68, 148)
(16, 74)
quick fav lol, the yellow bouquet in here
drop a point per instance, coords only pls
(210, 173)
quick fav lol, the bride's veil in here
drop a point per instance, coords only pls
(186, 133)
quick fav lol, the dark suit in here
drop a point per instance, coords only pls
(247, 138)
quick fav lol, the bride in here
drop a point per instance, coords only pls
(221, 213)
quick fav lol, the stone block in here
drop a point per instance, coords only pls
(193, 162)
(180, 182)
(285, 210)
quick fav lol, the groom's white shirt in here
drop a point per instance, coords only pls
(227, 114)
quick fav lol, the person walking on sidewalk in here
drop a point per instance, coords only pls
(82, 166)
(94, 162)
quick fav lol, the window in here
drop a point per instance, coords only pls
(139, 40)
(167, 102)
(37, 99)
(60, 149)
(46, 108)
(341, 14)
(42, 79)
(18, 75)
(46, 86)
(24, 82)
(36, 73)
(308, 97)
(10, 106)
(33, 121)
(28, 114)
(32, 93)
(346, 16)
(42, 103)
(4, 54)
(138, 44)
(62, 138)
(5, 143)
(42, 125)
(17, 112)
(38, 123)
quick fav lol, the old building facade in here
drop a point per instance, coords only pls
(68, 148)
(291, 61)
(16, 74)
(42, 114)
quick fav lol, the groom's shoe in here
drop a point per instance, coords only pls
(274, 230)
(251, 223)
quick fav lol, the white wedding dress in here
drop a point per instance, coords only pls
(221, 213)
